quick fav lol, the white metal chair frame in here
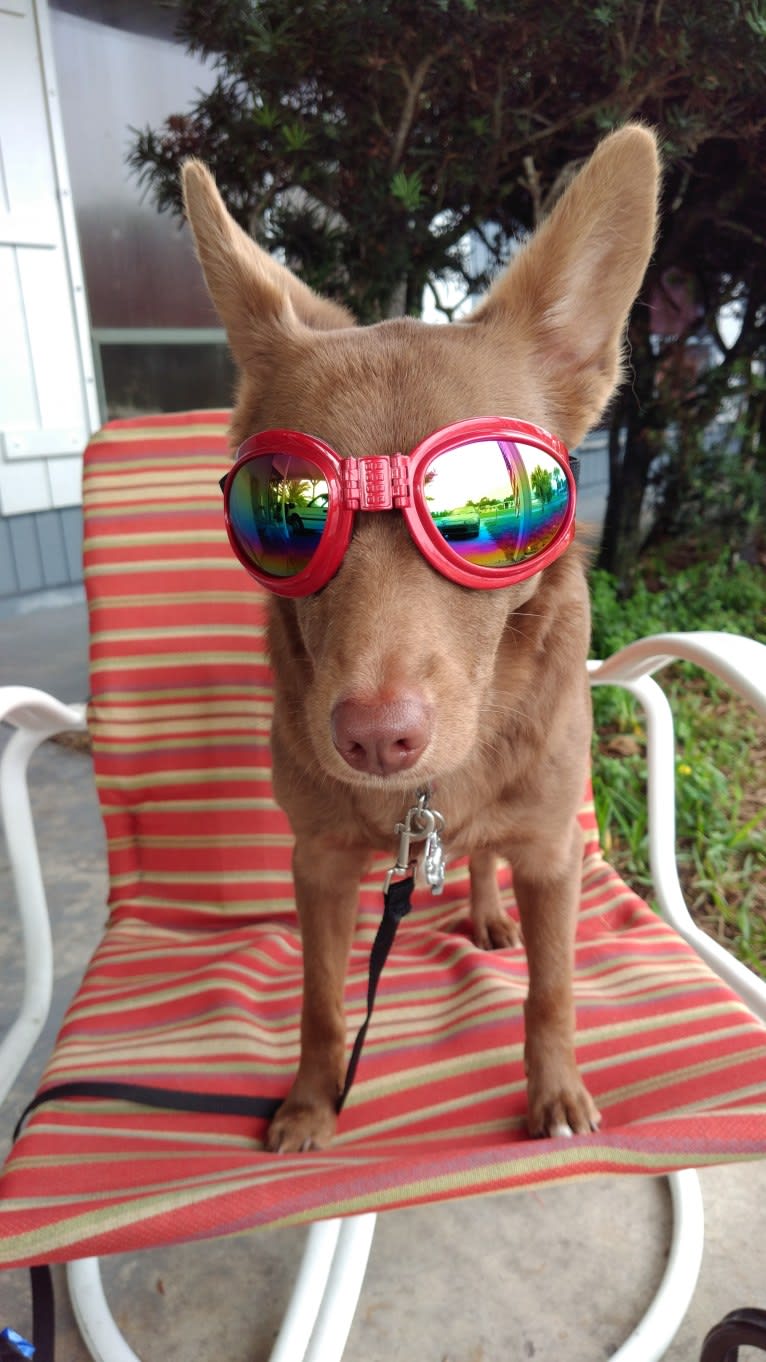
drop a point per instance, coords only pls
(329, 1281)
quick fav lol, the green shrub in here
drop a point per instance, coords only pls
(707, 595)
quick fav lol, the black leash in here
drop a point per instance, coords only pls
(171, 1099)
(396, 905)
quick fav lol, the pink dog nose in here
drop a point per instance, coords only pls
(383, 738)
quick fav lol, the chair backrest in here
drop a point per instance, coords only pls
(180, 686)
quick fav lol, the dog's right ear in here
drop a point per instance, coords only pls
(564, 299)
(252, 293)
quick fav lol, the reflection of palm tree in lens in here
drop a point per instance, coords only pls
(302, 491)
(542, 484)
(296, 491)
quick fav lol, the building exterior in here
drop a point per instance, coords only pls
(102, 307)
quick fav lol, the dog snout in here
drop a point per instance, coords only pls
(383, 737)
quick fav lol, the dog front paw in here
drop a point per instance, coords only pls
(495, 931)
(301, 1126)
(562, 1108)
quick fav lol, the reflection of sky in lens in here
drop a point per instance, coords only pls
(467, 474)
(496, 502)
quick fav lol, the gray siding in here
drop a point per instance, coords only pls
(40, 551)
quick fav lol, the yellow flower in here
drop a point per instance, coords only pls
(684, 770)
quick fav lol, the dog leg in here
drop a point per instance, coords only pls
(559, 1102)
(492, 927)
(326, 895)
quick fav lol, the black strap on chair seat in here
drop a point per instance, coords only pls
(170, 1099)
(397, 903)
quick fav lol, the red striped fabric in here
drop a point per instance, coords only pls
(196, 983)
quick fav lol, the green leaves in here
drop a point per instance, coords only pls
(408, 189)
(296, 137)
(755, 18)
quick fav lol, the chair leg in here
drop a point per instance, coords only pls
(344, 1284)
(652, 1337)
(308, 1293)
(740, 1329)
(318, 1318)
(99, 1332)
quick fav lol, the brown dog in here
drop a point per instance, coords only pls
(393, 676)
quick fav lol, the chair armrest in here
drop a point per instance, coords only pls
(35, 716)
(34, 711)
(739, 661)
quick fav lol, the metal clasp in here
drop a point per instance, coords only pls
(421, 824)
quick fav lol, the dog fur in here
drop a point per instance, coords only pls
(499, 676)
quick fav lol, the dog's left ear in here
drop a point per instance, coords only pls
(567, 294)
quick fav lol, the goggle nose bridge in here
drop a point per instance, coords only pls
(376, 482)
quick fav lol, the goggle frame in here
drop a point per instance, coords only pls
(396, 482)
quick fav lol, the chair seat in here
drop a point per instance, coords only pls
(676, 1064)
(196, 983)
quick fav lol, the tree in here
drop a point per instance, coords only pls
(366, 139)
(686, 372)
(542, 484)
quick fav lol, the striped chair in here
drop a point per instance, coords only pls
(196, 983)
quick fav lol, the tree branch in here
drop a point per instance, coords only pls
(414, 87)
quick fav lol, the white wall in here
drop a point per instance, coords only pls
(47, 391)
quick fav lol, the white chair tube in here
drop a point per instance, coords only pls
(651, 1338)
(36, 716)
(310, 1284)
(99, 1332)
(660, 754)
(321, 1311)
(317, 1321)
(34, 710)
(739, 661)
(349, 1265)
(662, 850)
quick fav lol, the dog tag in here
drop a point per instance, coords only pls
(433, 862)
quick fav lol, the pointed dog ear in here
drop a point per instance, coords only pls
(253, 294)
(568, 292)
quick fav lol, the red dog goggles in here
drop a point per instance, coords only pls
(488, 502)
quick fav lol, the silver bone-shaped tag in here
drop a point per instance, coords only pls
(434, 863)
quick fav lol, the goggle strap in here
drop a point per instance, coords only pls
(376, 482)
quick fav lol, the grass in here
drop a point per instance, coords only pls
(721, 748)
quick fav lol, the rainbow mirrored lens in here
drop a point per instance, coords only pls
(496, 502)
(278, 511)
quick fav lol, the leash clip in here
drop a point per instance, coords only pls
(421, 824)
